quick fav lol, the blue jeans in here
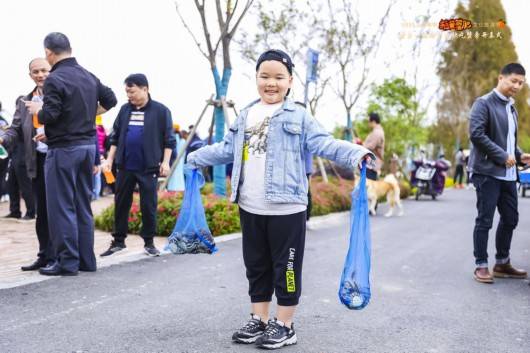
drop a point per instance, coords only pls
(494, 194)
(97, 186)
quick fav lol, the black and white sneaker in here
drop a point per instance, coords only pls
(277, 335)
(114, 247)
(151, 250)
(252, 330)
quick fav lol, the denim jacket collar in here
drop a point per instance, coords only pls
(288, 104)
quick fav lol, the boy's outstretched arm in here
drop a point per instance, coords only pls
(321, 143)
(218, 153)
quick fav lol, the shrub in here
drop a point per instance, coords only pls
(223, 216)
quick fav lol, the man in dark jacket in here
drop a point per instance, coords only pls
(72, 99)
(492, 163)
(141, 147)
(22, 131)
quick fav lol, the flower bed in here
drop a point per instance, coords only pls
(223, 216)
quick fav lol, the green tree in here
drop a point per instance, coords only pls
(469, 68)
(402, 119)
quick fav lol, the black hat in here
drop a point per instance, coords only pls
(277, 55)
(139, 80)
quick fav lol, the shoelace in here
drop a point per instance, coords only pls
(250, 325)
(272, 329)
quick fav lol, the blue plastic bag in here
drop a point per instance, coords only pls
(191, 234)
(354, 290)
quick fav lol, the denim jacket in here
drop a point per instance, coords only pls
(293, 132)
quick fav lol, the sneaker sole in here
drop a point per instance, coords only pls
(152, 255)
(287, 342)
(249, 340)
(107, 255)
(504, 275)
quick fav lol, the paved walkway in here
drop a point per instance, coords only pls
(424, 299)
(19, 246)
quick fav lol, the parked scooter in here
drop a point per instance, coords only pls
(429, 177)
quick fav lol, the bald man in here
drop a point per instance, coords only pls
(23, 130)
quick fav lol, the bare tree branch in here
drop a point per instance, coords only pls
(190, 32)
(202, 13)
(238, 21)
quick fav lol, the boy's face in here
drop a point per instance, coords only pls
(273, 81)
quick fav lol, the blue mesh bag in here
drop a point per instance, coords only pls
(191, 234)
(354, 290)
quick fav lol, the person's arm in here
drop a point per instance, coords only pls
(477, 134)
(321, 143)
(219, 153)
(169, 143)
(13, 133)
(106, 98)
(164, 166)
(114, 138)
(52, 107)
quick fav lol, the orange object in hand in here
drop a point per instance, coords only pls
(36, 123)
(109, 177)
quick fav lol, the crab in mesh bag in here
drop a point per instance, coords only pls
(354, 290)
(191, 234)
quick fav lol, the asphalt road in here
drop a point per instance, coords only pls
(424, 297)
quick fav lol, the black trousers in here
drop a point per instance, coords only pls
(459, 174)
(4, 166)
(273, 252)
(46, 250)
(68, 173)
(125, 184)
(494, 194)
(20, 184)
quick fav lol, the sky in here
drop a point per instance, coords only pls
(113, 38)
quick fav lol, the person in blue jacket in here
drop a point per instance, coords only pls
(141, 148)
(267, 145)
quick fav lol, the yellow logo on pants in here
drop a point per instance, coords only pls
(289, 276)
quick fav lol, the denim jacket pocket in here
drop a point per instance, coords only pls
(291, 136)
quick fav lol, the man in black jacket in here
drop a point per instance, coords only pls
(141, 147)
(22, 131)
(72, 99)
(492, 163)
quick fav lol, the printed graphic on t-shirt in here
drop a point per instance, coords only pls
(256, 139)
(137, 119)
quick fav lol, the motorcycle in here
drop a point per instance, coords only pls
(429, 177)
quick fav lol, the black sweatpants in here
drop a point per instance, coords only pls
(125, 184)
(273, 252)
(46, 249)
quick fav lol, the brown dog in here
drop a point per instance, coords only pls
(388, 187)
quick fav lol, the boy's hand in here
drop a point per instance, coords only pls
(369, 159)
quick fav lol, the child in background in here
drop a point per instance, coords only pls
(267, 145)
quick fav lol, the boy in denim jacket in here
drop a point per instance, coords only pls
(267, 145)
